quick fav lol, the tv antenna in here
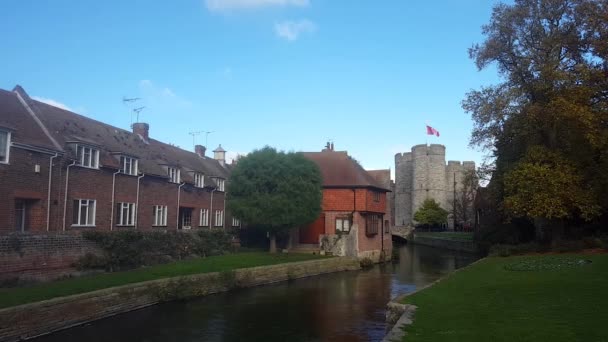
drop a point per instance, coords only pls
(126, 100)
(194, 135)
(137, 111)
(207, 136)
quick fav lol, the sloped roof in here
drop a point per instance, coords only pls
(25, 130)
(383, 177)
(339, 170)
(66, 127)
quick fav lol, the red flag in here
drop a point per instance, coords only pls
(431, 131)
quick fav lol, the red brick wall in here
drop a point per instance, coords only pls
(40, 257)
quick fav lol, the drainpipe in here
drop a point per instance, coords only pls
(65, 196)
(48, 199)
(179, 188)
(112, 206)
(224, 212)
(137, 199)
(211, 224)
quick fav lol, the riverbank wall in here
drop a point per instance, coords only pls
(35, 319)
(454, 245)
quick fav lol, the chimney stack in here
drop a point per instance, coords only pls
(142, 129)
(200, 150)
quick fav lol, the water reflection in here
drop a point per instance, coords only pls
(347, 306)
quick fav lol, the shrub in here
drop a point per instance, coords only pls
(131, 249)
(366, 263)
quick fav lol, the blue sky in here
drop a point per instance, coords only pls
(291, 74)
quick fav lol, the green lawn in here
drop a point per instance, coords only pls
(16, 296)
(458, 236)
(524, 298)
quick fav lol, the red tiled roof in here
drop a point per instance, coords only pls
(65, 127)
(340, 170)
(25, 130)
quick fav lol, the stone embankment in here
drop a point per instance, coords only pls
(30, 320)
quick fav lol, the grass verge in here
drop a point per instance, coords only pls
(456, 236)
(16, 296)
(523, 298)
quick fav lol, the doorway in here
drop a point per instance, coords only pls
(21, 217)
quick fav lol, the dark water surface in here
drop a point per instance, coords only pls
(347, 306)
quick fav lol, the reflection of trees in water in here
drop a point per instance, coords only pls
(347, 306)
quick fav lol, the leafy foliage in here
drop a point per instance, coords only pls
(274, 190)
(131, 249)
(554, 95)
(431, 214)
(544, 184)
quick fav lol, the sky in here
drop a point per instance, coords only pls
(292, 74)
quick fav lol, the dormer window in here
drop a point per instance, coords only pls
(173, 174)
(199, 180)
(87, 156)
(128, 165)
(5, 145)
(220, 184)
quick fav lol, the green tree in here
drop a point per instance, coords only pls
(275, 191)
(551, 55)
(465, 197)
(431, 214)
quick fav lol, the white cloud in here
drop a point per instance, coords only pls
(231, 5)
(52, 102)
(291, 30)
(159, 95)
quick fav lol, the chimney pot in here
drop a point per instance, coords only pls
(142, 129)
(200, 150)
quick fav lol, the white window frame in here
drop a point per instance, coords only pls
(236, 222)
(126, 219)
(129, 165)
(203, 220)
(219, 218)
(8, 147)
(343, 225)
(90, 207)
(174, 174)
(199, 180)
(221, 184)
(159, 216)
(92, 162)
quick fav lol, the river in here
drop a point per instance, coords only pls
(346, 306)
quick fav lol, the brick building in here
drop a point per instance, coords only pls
(354, 220)
(64, 172)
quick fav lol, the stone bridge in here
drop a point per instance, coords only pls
(402, 232)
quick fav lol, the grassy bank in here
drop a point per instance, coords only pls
(524, 298)
(60, 288)
(456, 236)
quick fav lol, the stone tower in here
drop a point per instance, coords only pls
(422, 174)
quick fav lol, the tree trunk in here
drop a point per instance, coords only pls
(290, 240)
(273, 243)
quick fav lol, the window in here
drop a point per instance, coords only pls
(204, 219)
(220, 184)
(376, 196)
(160, 215)
(386, 227)
(199, 180)
(371, 227)
(87, 157)
(5, 146)
(219, 218)
(126, 214)
(83, 212)
(173, 174)
(236, 222)
(186, 218)
(128, 165)
(342, 225)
